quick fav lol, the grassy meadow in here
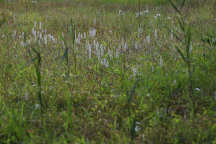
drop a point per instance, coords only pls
(105, 71)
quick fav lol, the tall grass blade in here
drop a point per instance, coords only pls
(175, 7)
(183, 3)
(188, 42)
(181, 54)
(181, 24)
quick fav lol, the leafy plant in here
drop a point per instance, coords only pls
(37, 64)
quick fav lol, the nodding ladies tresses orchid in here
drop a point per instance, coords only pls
(101, 51)
(141, 13)
(123, 46)
(63, 44)
(138, 126)
(34, 33)
(105, 62)
(78, 38)
(197, 89)
(14, 34)
(215, 95)
(117, 53)
(95, 21)
(152, 68)
(84, 35)
(161, 61)
(23, 44)
(37, 36)
(136, 45)
(110, 53)
(45, 39)
(155, 34)
(157, 15)
(120, 12)
(34, 1)
(148, 39)
(89, 49)
(92, 32)
(52, 38)
(3, 36)
(140, 31)
(40, 26)
(96, 45)
(171, 35)
(134, 69)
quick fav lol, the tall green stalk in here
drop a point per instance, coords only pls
(71, 36)
(132, 117)
(38, 74)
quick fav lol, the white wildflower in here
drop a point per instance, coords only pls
(215, 95)
(171, 35)
(22, 35)
(40, 36)
(137, 127)
(134, 70)
(95, 21)
(146, 11)
(37, 106)
(105, 62)
(190, 48)
(35, 24)
(102, 49)
(84, 35)
(26, 96)
(155, 34)
(148, 39)
(117, 53)
(63, 44)
(3, 36)
(92, 32)
(161, 61)
(14, 34)
(28, 42)
(157, 15)
(34, 33)
(140, 31)
(45, 31)
(40, 26)
(125, 46)
(34, 1)
(110, 53)
(23, 44)
(152, 68)
(89, 49)
(120, 12)
(78, 38)
(45, 39)
(141, 13)
(136, 45)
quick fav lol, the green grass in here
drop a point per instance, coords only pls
(92, 72)
(136, 1)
